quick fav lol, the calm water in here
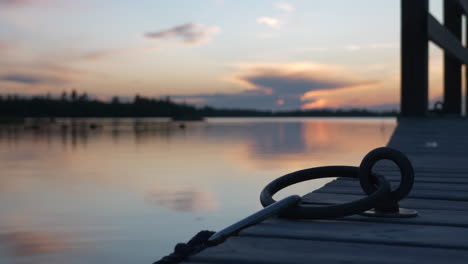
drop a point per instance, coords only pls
(129, 190)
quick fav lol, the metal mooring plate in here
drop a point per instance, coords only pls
(401, 213)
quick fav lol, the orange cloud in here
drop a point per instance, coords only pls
(288, 86)
(320, 103)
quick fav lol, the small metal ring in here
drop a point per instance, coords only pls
(400, 159)
(304, 211)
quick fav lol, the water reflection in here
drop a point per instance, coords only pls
(276, 137)
(132, 188)
(23, 244)
(183, 200)
(77, 132)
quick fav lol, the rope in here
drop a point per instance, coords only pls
(184, 250)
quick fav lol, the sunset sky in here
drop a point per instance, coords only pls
(225, 53)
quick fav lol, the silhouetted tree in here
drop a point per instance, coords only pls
(74, 96)
(83, 97)
(137, 99)
(40, 106)
(64, 96)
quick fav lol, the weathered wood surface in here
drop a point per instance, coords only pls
(438, 235)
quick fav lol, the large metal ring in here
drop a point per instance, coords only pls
(403, 163)
(305, 211)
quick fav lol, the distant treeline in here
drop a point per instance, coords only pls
(75, 105)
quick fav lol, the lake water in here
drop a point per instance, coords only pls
(127, 190)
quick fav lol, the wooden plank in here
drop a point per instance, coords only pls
(420, 186)
(423, 177)
(360, 232)
(417, 194)
(441, 217)
(425, 217)
(437, 166)
(428, 172)
(282, 251)
(425, 174)
(418, 204)
(451, 181)
(450, 172)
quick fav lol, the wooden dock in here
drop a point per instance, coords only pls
(438, 149)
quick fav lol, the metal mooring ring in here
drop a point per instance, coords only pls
(406, 170)
(305, 211)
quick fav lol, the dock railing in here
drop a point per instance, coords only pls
(418, 27)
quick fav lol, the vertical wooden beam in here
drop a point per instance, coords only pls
(414, 57)
(452, 67)
(466, 66)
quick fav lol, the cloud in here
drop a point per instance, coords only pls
(354, 47)
(285, 83)
(317, 104)
(281, 86)
(295, 78)
(269, 21)
(31, 78)
(189, 33)
(283, 6)
(37, 75)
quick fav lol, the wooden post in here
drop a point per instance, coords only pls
(414, 57)
(466, 66)
(452, 66)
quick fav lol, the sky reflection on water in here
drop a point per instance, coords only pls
(126, 191)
